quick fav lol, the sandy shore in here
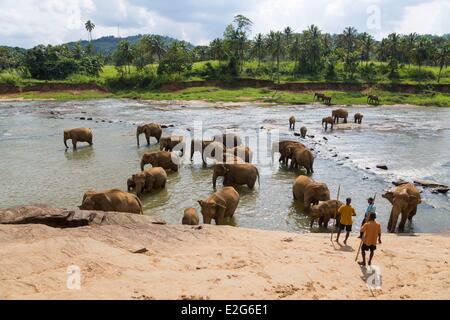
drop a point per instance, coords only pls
(142, 260)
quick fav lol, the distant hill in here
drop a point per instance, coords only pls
(107, 45)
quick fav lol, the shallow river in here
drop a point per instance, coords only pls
(414, 142)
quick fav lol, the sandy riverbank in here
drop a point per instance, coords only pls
(210, 263)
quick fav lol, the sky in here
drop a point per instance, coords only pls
(26, 23)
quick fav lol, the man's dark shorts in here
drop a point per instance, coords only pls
(345, 227)
(365, 247)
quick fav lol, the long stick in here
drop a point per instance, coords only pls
(335, 213)
(364, 235)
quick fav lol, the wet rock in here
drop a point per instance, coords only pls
(430, 184)
(365, 178)
(140, 251)
(382, 167)
(440, 190)
(367, 168)
(82, 118)
(325, 138)
(399, 182)
(61, 218)
(297, 134)
(335, 156)
(89, 119)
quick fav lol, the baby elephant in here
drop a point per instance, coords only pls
(325, 211)
(78, 135)
(358, 118)
(190, 217)
(146, 181)
(328, 121)
(172, 143)
(163, 159)
(303, 132)
(220, 205)
(292, 123)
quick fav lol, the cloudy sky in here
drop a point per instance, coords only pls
(27, 23)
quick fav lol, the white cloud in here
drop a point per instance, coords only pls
(30, 22)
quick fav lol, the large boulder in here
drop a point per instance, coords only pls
(63, 218)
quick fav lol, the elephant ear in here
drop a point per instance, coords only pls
(220, 202)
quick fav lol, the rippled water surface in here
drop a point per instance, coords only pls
(414, 142)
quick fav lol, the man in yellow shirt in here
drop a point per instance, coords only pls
(372, 232)
(346, 213)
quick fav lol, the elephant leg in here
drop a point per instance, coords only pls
(325, 222)
(320, 221)
(74, 144)
(393, 224)
(401, 226)
(312, 222)
(147, 137)
(251, 184)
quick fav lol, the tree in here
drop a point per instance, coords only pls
(158, 46)
(90, 26)
(258, 48)
(236, 35)
(367, 43)
(422, 51)
(348, 41)
(123, 57)
(442, 57)
(276, 48)
(217, 49)
(176, 60)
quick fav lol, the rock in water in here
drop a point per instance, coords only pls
(399, 182)
(440, 190)
(382, 167)
(430, 184)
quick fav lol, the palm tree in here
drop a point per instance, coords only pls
(217, 49)
(158, 46)
(258, 47)
(442, 57)
(90, 26)
(276, 48)
(367, 43)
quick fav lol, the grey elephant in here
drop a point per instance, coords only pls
(340, 114)
(150, 130)
(220, 205)
(292, 122)
(283, 147)
(310, 192)
(359, 118)
(78, 135)
(328, 121)
(146, 181)
(190, 217)
(113, 200)
(325, 211)
(303, 132)
(236, 174)
(163, 159)
(404, 199)
(200, 146)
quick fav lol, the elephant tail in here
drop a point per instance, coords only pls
(259, 180)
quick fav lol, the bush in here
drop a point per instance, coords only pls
(10, 79)
(420, 75)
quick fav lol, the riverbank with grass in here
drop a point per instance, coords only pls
(216, 94)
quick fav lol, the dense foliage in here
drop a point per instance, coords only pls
(279, 55)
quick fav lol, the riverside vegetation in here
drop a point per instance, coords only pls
(140, 65)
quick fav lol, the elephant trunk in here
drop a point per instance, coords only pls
(215, 180)
(137, 138)
(65, 142)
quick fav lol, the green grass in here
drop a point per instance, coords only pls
(61, 95)
(213, 94)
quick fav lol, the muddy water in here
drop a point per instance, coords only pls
(414, 142)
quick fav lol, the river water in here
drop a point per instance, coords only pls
(414, 142)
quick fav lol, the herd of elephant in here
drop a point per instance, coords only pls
(234, 164)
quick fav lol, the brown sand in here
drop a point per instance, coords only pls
(212, 263)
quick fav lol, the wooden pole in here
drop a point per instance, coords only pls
(362, 238)
(335, 213)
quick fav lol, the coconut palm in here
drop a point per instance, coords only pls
(258, 48)
(90, 26)
(157, 46)
(276, 48)
(442, 57)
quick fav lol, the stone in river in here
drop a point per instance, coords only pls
(440, 190)
(399, 182)
(382, 167)
(430, 184)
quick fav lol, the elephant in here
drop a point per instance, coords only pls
(328, 121)
(113, 200)
(358, 118)
(78, 135)
(310, 192)
(242, 152)
(303, 157)
(229, 158)
(236, 174)
(283, 148)
(190, 217)
(303, 132)
(319, 96)
(146, 181)
(326, 100)
(220, 205)
(200, 145)
(340, 114)
(325, 211)
(172, 143)
(163, 159)
(371, 99)
(229, 140)
(151, 130)
(292, 123)
(404, 199)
